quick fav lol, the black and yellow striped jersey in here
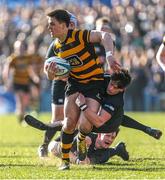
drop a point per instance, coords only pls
(20, 65)
(81, 55)
(37, 63)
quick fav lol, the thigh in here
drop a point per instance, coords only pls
(85, 125)
(71, 113)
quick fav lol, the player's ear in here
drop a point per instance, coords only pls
(63, 25)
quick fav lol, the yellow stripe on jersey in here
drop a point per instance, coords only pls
(69, 52)
(86, 66)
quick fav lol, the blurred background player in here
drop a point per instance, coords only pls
(18, 67)
(160, 56)
(58, 96)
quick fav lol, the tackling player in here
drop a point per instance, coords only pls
(111, 114)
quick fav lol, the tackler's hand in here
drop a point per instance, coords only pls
(80, 100)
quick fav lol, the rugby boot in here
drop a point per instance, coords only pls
(155, 133)
(65, 165)
(43, 150)
(121, 151)
(81, 149)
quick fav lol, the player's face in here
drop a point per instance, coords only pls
(55, 27)
(106, 139)
(113, 89)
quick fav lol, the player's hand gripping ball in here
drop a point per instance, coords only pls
(62, 66)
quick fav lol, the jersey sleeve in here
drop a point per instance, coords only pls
(110, 108)
(86, 35)
(112, 104)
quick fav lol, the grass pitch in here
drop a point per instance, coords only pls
(19, 160)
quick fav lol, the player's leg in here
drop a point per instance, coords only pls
(35, 97)
(22, 100)
(57, 105)
(93, 93)
(132, 123)
(71, 116)
(85, 127)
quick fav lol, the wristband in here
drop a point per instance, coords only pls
(109, 53)
(83, 107)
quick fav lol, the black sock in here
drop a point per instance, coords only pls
(49, 134)
(132, 123)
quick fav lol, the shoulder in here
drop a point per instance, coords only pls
(115, 100)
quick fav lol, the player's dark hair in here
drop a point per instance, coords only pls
(122, 78)
(61, 15)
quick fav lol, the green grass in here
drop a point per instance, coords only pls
(19, 160)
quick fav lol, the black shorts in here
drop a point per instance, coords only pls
(92, 89)
(58, 92)
(110, 126)
(21, 87)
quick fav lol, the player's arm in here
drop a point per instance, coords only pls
(160, 56)
(105, 39)
(96, 119)
(32, 74)
(7, 67)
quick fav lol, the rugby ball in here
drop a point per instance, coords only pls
(62, 65)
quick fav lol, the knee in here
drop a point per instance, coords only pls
(69, 125)
(85, 127)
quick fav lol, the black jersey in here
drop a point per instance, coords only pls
(114, 105)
